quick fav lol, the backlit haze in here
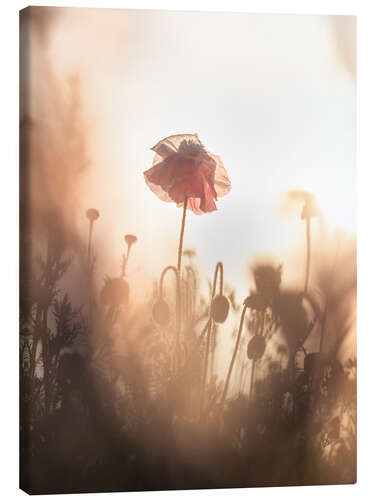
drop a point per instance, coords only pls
(274, 96)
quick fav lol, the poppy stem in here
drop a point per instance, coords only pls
(178, 306)
(90, 237)
(219, 267)
(253, 366)
(226, 386)
(205, 367)
(125, 260)
(181, 235)
(308, 250)
(322, 329)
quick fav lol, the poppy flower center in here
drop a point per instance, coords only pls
(190, 148)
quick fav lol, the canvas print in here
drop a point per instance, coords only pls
(187, 250)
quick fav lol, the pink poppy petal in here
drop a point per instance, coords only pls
(162, 174)
(222, 183)
(180, 169)
(193, 204)
(170, 144)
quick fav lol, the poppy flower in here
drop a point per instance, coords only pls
(183, 168)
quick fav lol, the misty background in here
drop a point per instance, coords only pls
(273, 95)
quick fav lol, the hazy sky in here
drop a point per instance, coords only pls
(273, 95)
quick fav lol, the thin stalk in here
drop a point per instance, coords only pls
(218, 267)
(178, 305)
(191, 280)
(308, 253)
(241, 378)
(91, 223)
(227, 381)
(213, 349)
(252, 376)
(36, 338)
(253, 363)
(322, 328)
(44, 322)
(205, 367)
(198, 343)
(125, 261)
(180, 246)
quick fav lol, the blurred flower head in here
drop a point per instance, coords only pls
(256, 347)
(220, 308)
(256, 302)
(182, 167)
(267, 280)
(130, 239)
(310, 206)
(92, 214)
(190, 253)
(115, 292)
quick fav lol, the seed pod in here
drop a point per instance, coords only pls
(256, 347)
(160, 312)
(115, 292)
(130, 239)
(219, 308)
(92, 214)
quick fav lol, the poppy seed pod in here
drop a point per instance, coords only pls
(220, 308)
(256, 347)
(130, 239)
(115, 292)
(160, 312)
(92, 214)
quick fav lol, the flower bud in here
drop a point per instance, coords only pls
(256, 347)
(219, 308)
(130, 239)
(92, 214)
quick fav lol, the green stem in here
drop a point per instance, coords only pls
(89, 244)
(253, 366)
(125, 261)
(178, 305)
(226, 386)
(181, 235)
(205, 367)
(198, 343)
(219, 267)
(322, 329)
